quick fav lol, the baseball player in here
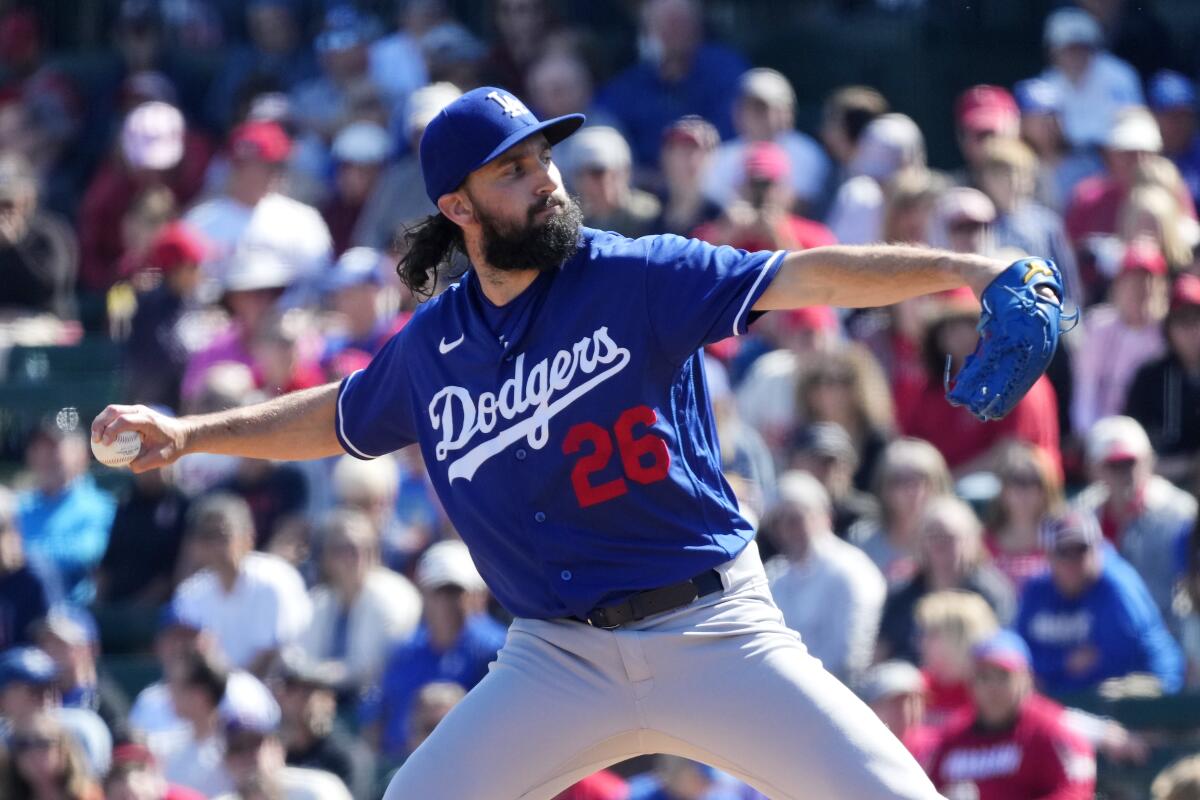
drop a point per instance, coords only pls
(559, 400)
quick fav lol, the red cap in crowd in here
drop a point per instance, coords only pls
(176, 245)
(693, 130)
(1145, 255)
(811, 318)
(766, 161)
(265, 141)
(1185, 293)
(986, 108)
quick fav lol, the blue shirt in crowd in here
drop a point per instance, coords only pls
(1116, 617)
(415, 663)
(68, 531)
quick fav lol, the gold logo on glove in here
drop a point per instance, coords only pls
(1037, 268)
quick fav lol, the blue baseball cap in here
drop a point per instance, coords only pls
(1005, 649)
(475, 129)
(27, 665)
(355, 267)
(1037, 96)
(1169, 89)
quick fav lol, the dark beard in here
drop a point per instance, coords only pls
(538, 246)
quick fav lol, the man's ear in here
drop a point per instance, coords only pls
(457, 207)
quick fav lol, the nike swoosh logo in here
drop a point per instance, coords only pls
(445, 347)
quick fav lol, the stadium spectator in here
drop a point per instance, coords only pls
(135, 775)
(828, 590)
(602, 785)
(983, 114)
(1091, 618)
(1135, 33)
(1159, 208)
(603, 167)
(251, 219)
(1059, 167)
(1141, 514)
(38, 252)
(1172, 98)
(963, 220)
(45, 764)
(395, 61)
(360, 151)
(274, 491)
(764, 110)
(455, 641)
(192, 757)
(392, 202)
(910, 201)
(746, 461)
(675, 778)
(1016, 743)
(687, 150)
(431, 704)
(453, 54)
(24, 594)
(70, 637)
(309, 729)
(1030, 490)
(524, 31)
(1179, 781)
(361, 323)
(895, 691)
(321, 105)
(825, 451)
(950, 555)
(679, 74)
(382, 491)
(1120, 336)
(911, 473)
(759, 216)
(1092, 84)
(253, 604)
(845, 114)
(950, 623)
(65, 517)
(360, 609)
(889, 143)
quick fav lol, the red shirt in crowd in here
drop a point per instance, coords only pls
(603, 785)
(1017, 567)
(1038, 758)
(796, 233)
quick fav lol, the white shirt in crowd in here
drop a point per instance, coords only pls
(298, 783)
(267, 608)
(857, 213)
(153, 713)
(385, 612)
(834, 600)
(1089, 107)
(809, 167)
(196, 764)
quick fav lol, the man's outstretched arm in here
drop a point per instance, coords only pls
(293, 427)
(872, 275)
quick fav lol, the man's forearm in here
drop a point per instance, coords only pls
(872, 275)
(293, 427)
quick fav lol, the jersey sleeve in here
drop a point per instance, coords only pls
(697, 293)
(374, 412)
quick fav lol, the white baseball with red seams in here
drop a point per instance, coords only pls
(121, 452)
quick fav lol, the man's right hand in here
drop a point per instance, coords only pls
(163, 438)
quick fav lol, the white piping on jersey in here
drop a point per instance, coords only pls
(341, 418)
(761, 274)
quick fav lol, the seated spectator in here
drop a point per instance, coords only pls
(253, 604)
(680, 74)
(139, 566)
(758, 218)
(1092, 84)
(396, 63)
(895, 691)
(155, 353)
(322, 104)
(910, 202)
(309, 729)
(24, 595)
(983, 115)
(1060, 168)
(1120, 336)
(1153, 210)
(273, 490)
(764, 110)
(1164, 396)
(1031, 490)
(455, 641)
(431, 704)
(1141, 514)
(676, 777)
(360, 151)
(911, 473)
(28, 689)
(135, 775)
(845, 114)
(70, 637)
(352, 290)
(46, 764)
(950, 555)
(825, 451)
(745, 459)
(828, 590)
(950, 624)
(1172, 98)
(373, 487)
(889, 144)
(1091, 617)
(687, 150)
(360, 609)
(1179, 781)
(65, 518)
(602, 164)
(38, 252)
(1016, 743)
(192, 757)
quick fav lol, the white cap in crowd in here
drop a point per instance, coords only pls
(252, 269)
(152, 136)
(889, 143)
(1071, 26)
(1135, 130)
(448, 563)
(601, 147)
(427, 102)
(1117, 439)
(362, 143)
(769, 86)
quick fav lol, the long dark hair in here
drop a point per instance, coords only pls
(427, 246)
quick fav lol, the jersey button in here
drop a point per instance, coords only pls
(540, 517)
(508, 358)
(520, 454)
(565, 574)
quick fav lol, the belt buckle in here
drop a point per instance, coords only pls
(600, 613)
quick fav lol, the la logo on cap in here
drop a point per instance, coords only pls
(511, 105)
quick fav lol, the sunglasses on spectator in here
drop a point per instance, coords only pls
(23, 743)
(1071, 552)
(1025, 480)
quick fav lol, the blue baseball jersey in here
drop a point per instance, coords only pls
(569, 433)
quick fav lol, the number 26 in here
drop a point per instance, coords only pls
(645, 458)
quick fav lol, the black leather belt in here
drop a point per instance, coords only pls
(653, 601)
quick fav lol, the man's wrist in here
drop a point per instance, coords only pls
(976, 272)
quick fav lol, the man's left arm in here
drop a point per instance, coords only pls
(872, 275)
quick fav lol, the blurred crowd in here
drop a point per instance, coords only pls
(234, 230)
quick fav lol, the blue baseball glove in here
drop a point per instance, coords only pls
(1018, 332)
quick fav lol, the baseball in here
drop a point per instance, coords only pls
(118, 454)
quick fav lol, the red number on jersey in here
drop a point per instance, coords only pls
(645, 458)
(602, 449)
